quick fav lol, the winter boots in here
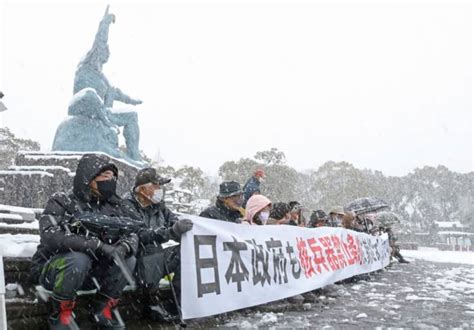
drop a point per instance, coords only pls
(155, 310)
(102, 309)
(400, 258)
(61, 317)
(159, 313)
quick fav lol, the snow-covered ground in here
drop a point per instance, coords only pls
(434, 291)
(20, 245)
(435, 255)
(418, 295)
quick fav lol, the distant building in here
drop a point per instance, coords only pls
(450, 225)
(455, 236)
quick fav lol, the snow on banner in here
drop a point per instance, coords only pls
(228, 266)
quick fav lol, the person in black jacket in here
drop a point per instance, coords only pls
(228, 204)
(318, 218)
(297, 213)
(67, 259)
(146, 202)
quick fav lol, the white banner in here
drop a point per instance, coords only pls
(228, 266)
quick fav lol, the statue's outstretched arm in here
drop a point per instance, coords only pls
(102, 35)
(122, 97)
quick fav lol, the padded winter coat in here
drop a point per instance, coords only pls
(56, 233)
(157, 217)
(221, 212)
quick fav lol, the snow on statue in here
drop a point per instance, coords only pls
(94, 125)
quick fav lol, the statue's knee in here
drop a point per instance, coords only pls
(134, 117)
(80, 261)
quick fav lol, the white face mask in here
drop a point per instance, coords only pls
(260, 179)
(157, 196)
(334, 220)
(264, 216)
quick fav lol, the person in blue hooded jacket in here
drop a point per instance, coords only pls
(252, 186)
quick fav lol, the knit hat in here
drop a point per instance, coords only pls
(229, 189)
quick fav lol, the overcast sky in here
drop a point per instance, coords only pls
(382, 85)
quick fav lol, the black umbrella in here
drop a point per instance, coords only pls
(366, 205)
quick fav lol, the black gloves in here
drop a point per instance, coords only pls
(112, 251)
(132, 242)
(182, 226)
(80, 243)
(124, 248)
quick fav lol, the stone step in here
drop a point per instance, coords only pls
(58, 171)
(9, 229)
(27, 214)
(11, 218)
(25, 313)
(16, 264)
(28, 188)
(67, 160)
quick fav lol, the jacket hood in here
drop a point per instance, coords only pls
(254, 205)
(89, 166)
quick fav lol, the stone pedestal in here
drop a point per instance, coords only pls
(37, 175)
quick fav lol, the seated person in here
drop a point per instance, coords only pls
(146, 203)
(68, 257)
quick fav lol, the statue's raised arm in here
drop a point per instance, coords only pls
(89, 71)
(102, 36)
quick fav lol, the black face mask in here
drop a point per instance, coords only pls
(107, 188)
